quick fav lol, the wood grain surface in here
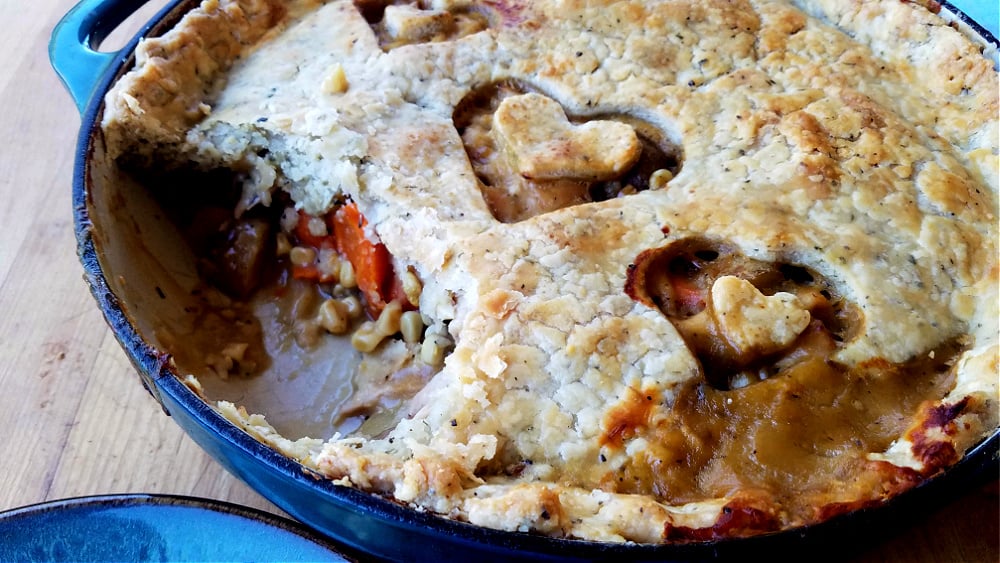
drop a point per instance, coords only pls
(76, 419)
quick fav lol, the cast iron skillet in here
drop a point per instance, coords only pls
(363, 521)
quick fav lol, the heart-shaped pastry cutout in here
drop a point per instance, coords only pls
(411, 24)
(543, 145)
(754, 322)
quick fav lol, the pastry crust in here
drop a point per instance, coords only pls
(857, 140)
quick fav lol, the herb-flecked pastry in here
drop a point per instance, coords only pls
(730, 265)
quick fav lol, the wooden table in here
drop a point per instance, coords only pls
(76, 420)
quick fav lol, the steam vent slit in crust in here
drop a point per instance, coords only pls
(731, 265)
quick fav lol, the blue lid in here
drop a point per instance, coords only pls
(155, 528)
(984, 12)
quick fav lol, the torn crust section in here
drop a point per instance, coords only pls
(543, 145)
(169, 94)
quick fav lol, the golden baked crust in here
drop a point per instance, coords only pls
(854, 140)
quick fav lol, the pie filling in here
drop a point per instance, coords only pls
(777, 422)
(326, 276)
(774, 422)
(788, 300)
(550, 169)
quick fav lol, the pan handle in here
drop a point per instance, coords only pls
(73, 45)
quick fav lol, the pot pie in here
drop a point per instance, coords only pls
(621, 271)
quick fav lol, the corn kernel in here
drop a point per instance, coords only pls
(336, 81)
(388, 320)
(317, 227)
(333, 317)
(353, 306)
(367, 337)
(347, 278)
(412, 327)
(302, 256)
(432, 349)
(412, 287)
(329, 264)
(660, 178)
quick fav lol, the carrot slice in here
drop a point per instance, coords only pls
(689, 297)
(309, 272)
(305, 236)
(372, 266)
